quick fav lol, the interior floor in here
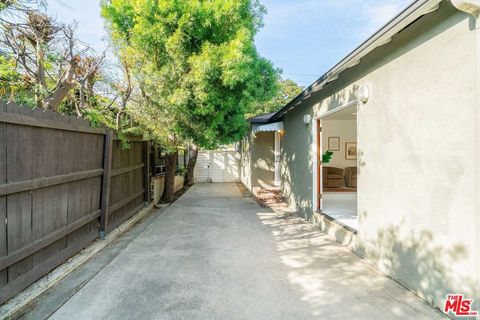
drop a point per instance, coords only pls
(344, 189)
(341, 206)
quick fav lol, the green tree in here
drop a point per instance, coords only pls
(13, 5)
(43, 64)
(12, 83)
(287, 90)
(51, 60)
(197, 67)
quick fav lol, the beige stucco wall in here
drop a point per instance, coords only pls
(419, 153)
(246, 162)
(178, 183)
(257, 160)
(158, 185)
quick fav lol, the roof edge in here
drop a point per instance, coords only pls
(379, 38)
(263, 118)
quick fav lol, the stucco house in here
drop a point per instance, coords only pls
(401, 116)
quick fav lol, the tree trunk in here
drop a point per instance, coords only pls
(170, 170)
(55, 99)
(118, 118)
(191, 166)
(64, 85)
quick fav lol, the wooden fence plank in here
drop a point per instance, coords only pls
(125, 216)
(125, 187)
(128, 169)
(47, 221)
(118, 205)
(37, 215)
(146, 171)
(130, 138)
(26, 111)
(105, 196)
(12, 108)
(19, 153)
(47, 114)
(3, 239)
(49, 204)
(38, 172)
(43, 268)
(47, 240)
(19, 231)
(47, 122)
(49, 210)
(19, 206)
(62, 176)
(63, 205)
(72, 191)
(38, 113)
(3, 200)
(87, 201)
(35, 184)
(50, 152)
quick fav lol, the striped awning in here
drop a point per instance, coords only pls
(276, 126)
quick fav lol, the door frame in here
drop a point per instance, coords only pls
(276, 159)
(317, 151)
(318, 165)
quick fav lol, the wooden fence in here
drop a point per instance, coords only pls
(61, 183)
(129, 187)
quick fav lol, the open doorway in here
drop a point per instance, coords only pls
(336, 164)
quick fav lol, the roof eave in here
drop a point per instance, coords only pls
(379, 38)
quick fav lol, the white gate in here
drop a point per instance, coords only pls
(217, 166)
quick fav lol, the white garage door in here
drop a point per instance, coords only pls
(217, 166)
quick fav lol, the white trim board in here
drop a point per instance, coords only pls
(338, 109)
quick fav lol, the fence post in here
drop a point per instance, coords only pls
(146, 172)
(107, 165)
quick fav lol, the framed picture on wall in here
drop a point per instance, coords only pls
(350, 151)
(333, 143)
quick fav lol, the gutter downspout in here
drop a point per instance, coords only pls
(473, 7)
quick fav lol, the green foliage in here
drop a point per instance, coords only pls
(4, 4)
(287, 90)
(13, 86)
(55, 64)
(181, 171)
(327, 156)
(8, 74)
(196, 64)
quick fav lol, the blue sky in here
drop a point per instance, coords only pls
(304, 38)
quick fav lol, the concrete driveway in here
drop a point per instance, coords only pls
(216, 254)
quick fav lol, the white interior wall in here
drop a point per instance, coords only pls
(347, 131)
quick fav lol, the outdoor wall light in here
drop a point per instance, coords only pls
(307, 118)
(363, 94)
(468, 6)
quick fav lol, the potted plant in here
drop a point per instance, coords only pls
(327, 156)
